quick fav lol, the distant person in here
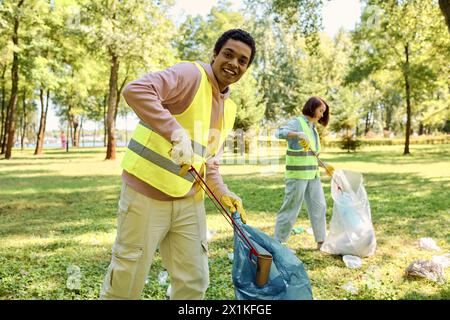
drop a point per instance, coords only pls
(63, 140)
(302, 176)
(185, 111)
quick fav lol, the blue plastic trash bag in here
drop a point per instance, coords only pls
(287, 278)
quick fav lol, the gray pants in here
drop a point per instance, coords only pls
(297, 190)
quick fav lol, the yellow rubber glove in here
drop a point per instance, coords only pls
(184, 169)
(303, 141)
(304, 144)
(234, 203)
(329, 169)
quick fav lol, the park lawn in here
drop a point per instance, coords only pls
(58, 211)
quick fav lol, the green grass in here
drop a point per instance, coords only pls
(59, 210)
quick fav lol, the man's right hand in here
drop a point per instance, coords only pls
(181, 152)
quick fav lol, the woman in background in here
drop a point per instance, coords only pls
(302, 176)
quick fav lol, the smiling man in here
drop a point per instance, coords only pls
(185, 114)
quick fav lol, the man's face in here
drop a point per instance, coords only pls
(231, 62)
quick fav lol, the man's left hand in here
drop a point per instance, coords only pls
(234, 203)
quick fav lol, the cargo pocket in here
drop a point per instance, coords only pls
(132, 221)
(126, 197)
(124, 266)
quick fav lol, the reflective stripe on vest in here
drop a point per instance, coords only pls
(196, 147)
(301, 164)
(148, 153)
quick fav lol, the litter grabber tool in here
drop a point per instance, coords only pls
(263, 261)
(327, 170)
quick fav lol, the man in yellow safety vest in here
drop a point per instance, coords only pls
(185, 115)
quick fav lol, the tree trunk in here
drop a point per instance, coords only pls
(81, 133)
(348, 142)
(93, 137)
(69, 128)
(5, 132)
(24, 122)
(388, 118)
(119, 91)
(408, 100)
(41, 131)
(3, 115)
(76, 130)
(366, 129)
(445, 8)
(105, 104)
(421, 129)
(112, 108)
(11, 126)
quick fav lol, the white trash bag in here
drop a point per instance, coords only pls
(351, 230)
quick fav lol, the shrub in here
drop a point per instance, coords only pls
(349, 142)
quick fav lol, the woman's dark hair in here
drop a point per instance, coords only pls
(309, 109)
(239, 35)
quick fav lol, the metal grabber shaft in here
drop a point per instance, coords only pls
(263, 262)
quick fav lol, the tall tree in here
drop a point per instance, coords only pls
(412, 57)
(10, 122)
(136, 29)
(42, 121)
(305, 16)
(43, 60)
(5, 60)
(3, 116)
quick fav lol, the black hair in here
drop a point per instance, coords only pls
(309, 109)
(238, 35)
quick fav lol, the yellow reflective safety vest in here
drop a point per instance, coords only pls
(148, 153)
(301, 164)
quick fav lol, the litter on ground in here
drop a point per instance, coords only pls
(349, 287)
(352, 262)
(428, 244)
(426, 269)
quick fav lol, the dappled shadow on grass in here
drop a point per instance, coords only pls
(42, 271)
(61, 158)
(77, 151)
(31, 159)
(59, 154)
(21, 174)
(40, 204)
(57, 183)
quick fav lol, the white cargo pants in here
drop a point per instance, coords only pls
(177, 227)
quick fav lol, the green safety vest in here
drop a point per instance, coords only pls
(148, 153)
(301, 164)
